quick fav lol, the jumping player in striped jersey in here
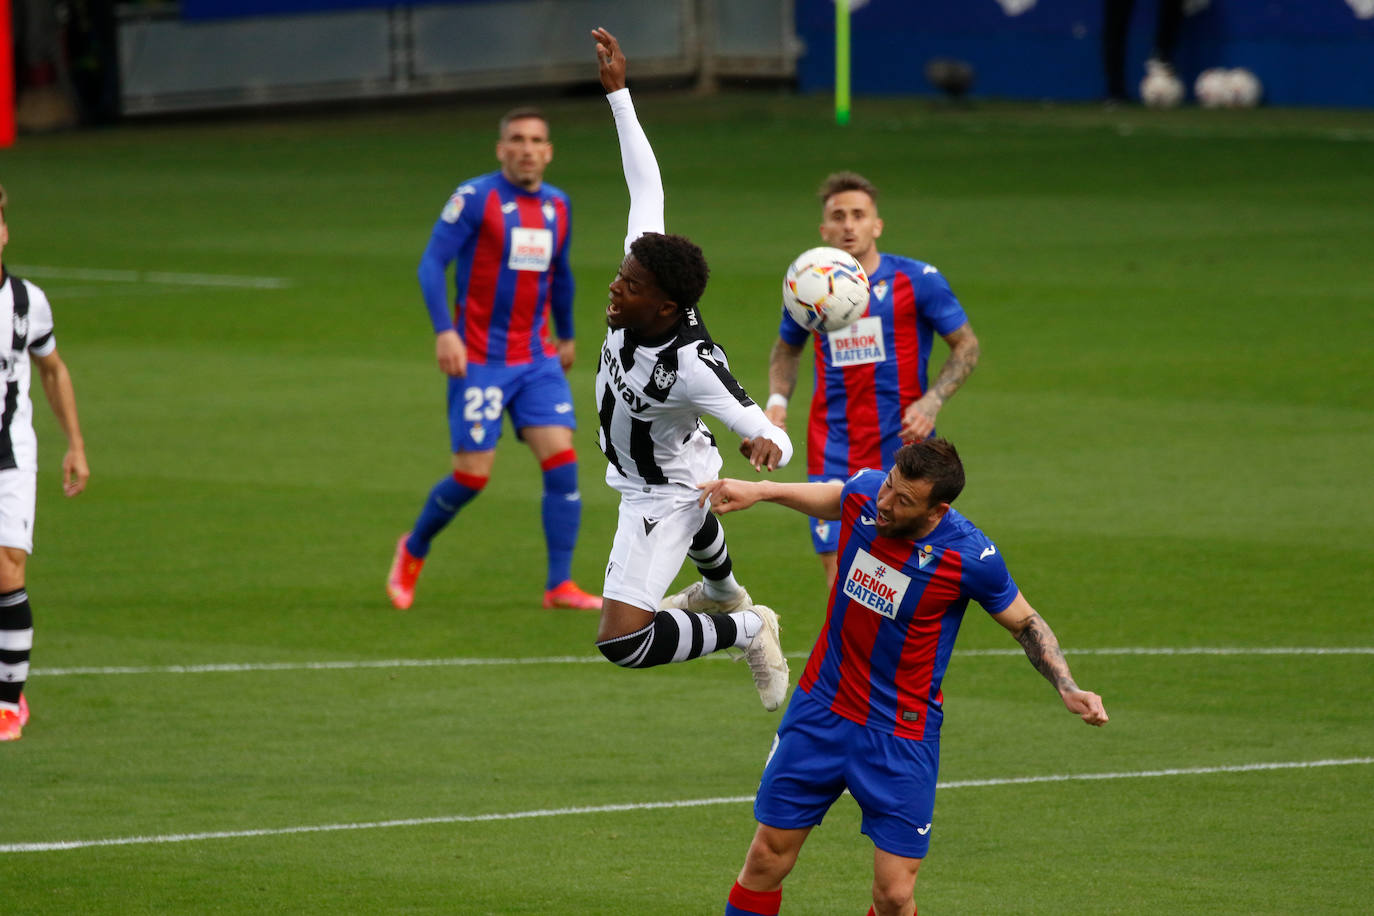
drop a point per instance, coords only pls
(659, 373)
(867, 711)
(871, 397)
(26, 313)
(508, 233)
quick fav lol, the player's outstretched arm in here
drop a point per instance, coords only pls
(642, 176)
(818, 500)
(1042, 648)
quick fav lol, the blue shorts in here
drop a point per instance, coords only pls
(817, 755)
(535, 394)
(825, 534)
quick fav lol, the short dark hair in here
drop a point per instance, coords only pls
(837, 182)
(677, 264)
(518, 114)
(937, 461)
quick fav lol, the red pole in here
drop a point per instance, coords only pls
(6, 77)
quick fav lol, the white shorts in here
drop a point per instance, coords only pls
(651, 541)
(17, 489)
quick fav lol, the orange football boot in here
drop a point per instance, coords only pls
(405, 569)
(10, 727)
(567, 594)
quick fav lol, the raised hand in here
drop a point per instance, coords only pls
(610, 61)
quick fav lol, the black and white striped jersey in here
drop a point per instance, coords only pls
(25, 311)
(651, 396)
(650, 400)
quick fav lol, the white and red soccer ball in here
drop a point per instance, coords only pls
(825, 289)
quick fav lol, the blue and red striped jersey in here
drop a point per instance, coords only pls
(511, 250)
(894, 612)
(867, 374)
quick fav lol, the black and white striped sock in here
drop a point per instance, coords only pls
(16, 642)
(674, 636)
(712, 559)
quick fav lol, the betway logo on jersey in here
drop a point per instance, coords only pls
(858, 344)
(875, 585)
(530, 249)
(619, 382)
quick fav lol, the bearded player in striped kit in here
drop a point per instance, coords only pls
(866, 715)
(26, 312)
(659, 372)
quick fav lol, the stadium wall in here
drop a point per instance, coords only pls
(208, 54)
(1305, 52)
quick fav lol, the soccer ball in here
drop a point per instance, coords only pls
(1245, 88)
(825, 289)
(1213, 87)
(1221, 88)
(1161, 88)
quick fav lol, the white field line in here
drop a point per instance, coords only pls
(236, 667)
(161, 277)
(61, 845)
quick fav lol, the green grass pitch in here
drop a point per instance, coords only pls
(1170, 437)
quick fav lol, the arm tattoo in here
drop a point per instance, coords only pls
(963, 358)
(1042, 648)
(783, 363)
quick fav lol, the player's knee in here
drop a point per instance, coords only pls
(887, 903)
(768, 862)
(12, 563)
(892, 892)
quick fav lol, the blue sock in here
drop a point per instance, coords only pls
(448, 496)
(562, 514)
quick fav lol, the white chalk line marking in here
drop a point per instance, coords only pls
(234, 667)
(161, 277)
(62, 845)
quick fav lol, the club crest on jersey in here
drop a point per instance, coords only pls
(21, 326)
(880, 290)
(549, 212)
(664, 377)
(822, 530)
(926, 555)
(877, 586)
(478, 433)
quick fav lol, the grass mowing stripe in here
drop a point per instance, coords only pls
(166, 277)
(63, 845)
(232, 667)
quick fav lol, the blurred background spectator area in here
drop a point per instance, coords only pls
(90, 61)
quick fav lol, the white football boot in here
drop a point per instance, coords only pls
(766, 661)
(693, 598)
